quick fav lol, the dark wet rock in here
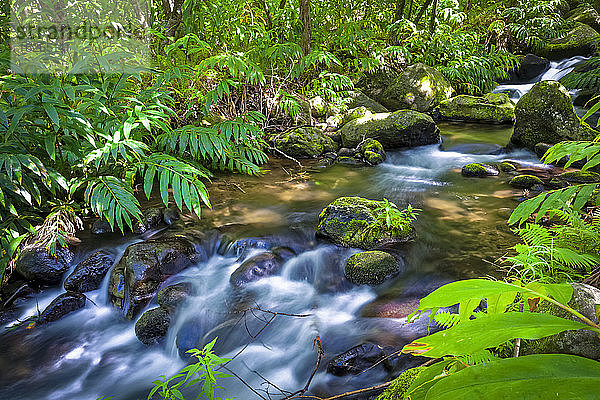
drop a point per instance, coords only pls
(359, 99)
(89, 273)
(419, 87)
(351, 222)
(531, 66)
(580, 177)
(546, 115)
(101, 226)
(304, 142)
(492, 108)
(524, 181)
(144, 266)
(242, 247)
(171, 297)
(478, 170)
(13, 291)
(170, 216)
(37, 265)
(580, 41)
(370, 267)
(372, 152)
(474, 148)
(346, 152)
(351, 161)
(397, 308)
(582, 343)
(64, 304)
(153, 325)
(404, 128)
(357, 359)
(260, 266)
(152, 218)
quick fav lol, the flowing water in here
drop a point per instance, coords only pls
(94, 352)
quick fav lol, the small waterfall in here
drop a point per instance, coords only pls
(558, 69)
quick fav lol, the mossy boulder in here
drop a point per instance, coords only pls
(478, 170)
(153, 325)
(580, 177)
(304, 142)
(143, 267)
(355, 113)
(580, 41)
(420, 88)
(546, 114)
(318, 107)
(404, 128)
(581, 343)
(398, 388)
(493, 108)
(586, 14)
(359, 99)
(373, 84)
(524, 181)
(370, 267)
(352, 222)
(372, 152)
(506, 166)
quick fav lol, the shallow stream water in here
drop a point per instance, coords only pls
(461, 229)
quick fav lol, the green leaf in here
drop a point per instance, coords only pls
(489, 331)
(534, 377)
(52, 113)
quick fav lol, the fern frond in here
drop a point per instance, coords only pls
(480, 357)
(111, 199)
(446, 319)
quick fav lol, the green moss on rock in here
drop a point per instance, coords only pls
(580, 177)
(372, 152)
(370, 267)
(524, 181)
(305, 142)
(359, 99)
(477, 170)
(153, 325)
(404, 128)
(352, 222)
(494, 108)
(580, 41)
(420, 88)
(398, 388)
(506, 166)
(546, 114)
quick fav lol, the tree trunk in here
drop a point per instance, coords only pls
(422, 11)
(305, 41)
(400, 9)
(432, 21)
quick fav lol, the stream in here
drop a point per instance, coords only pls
(461, 229)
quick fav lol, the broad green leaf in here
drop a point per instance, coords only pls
(52, 113)
(534, 377)
(489, 331)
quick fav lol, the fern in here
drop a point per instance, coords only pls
(479, 357)
(446, 319)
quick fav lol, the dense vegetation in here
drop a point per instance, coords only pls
(220, 77)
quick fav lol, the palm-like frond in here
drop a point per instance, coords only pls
(110, 198)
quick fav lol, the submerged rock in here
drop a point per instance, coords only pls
(546, 114)
(420, 88)
(304, 142)
(582, 343)
(89, 273)
(37, 265)
(153, 325)
(405, 128)
(357, 359)
(352, 222)
(478, 170)
(493, 108)
(370, 267)
(64, 304)
(143, 267)
(580, 41)
(524, 181)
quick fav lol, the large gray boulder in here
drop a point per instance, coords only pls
(420, 88)
(404, 128)
(546, 115)
(582, 343)
(304, 142)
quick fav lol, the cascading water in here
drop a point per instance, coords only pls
(557, 70)
(94, 352)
